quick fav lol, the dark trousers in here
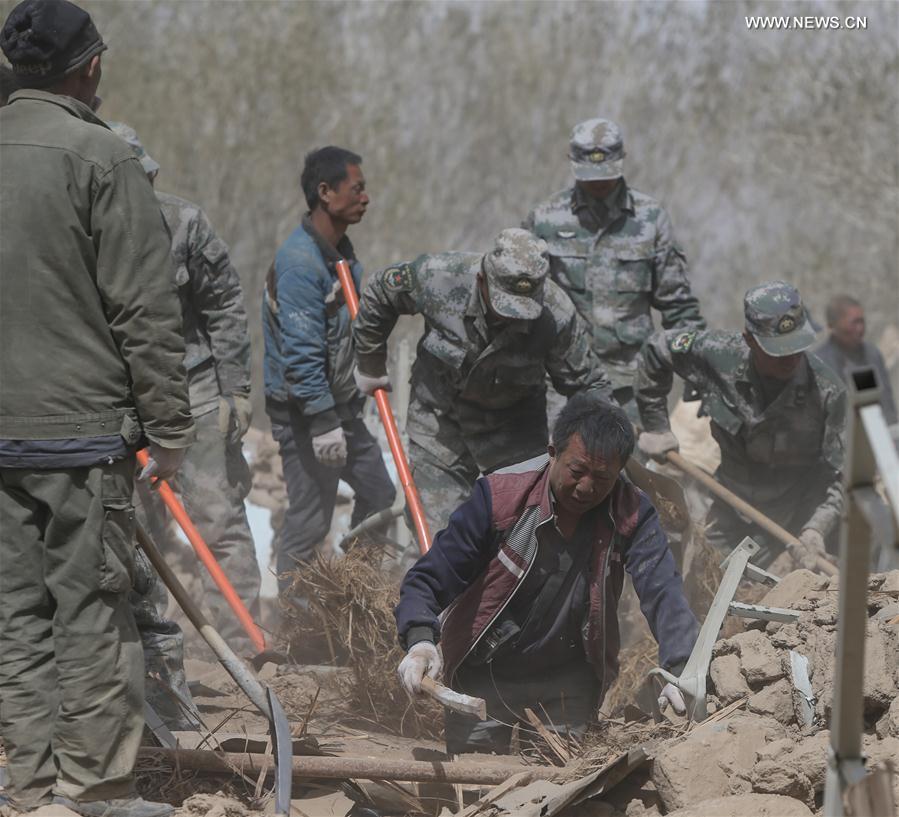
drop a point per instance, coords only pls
(312, 488)
(564, 699)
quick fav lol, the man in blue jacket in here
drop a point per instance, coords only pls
(529, 572)
(310, 395)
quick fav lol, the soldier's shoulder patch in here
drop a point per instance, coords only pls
(399, 277)
(682, 342)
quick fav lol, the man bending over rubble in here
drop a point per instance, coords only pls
(495, 327)
(777, 414)
(530, 570)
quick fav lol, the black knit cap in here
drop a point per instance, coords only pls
(46, 39)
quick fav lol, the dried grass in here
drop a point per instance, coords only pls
(349, 602)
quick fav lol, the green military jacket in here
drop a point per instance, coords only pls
(771, 452)
(90, 325)
(217, 342)
(460, 360)
(616, 261)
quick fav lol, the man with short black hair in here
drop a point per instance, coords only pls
(91, 369)
(310, 396)
(846, 349)
(521, 589)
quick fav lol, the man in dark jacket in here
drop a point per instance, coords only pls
(310, 395)
(529, 572)
(92, 367)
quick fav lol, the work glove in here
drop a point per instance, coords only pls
(164, 462)
(422, 659)
(330, 448)
(670, 694)
(367, 384)
(656, 444)
(235, 415)
(809, 549)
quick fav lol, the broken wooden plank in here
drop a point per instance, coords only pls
(520, 779)
(465, 704)
(553, 741)
(347, 768)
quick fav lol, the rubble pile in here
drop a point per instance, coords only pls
(765, 747)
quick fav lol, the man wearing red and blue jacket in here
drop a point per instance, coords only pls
(521, 589)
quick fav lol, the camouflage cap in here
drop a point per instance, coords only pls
(516, 269)
(776, 318)
(596, 150)
(148, 163)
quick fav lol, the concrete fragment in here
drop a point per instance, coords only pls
(771, 777)
(728, 679)
(793, 588)
(759, 660)
(890, 582)
(881, 661)
(747, 805)
(710, 760)
(888, 725)
(776, 701)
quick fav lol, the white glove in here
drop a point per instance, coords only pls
(367, 384)
(670, 694)
(164, 462)
(656, 444)
(235, 416)
(330, 448)
(422, 659)
(809, 549)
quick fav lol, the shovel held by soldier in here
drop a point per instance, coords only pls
(390, 427)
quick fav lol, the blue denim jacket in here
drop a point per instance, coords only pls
(306, 327)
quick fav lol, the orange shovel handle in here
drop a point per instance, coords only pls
(206, 557)
(413, 500)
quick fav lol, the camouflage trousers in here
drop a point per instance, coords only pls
(447, 459)
(213, 483)
(71, 680)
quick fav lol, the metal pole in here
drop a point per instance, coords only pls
(845, 764)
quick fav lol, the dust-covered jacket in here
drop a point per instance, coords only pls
(459, 362)
(615, 268)
(478, 562)
(212, 302)
(90, 323)
(774, 454)
(306, 327)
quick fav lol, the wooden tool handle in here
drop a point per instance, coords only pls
(742, 506)
(466, 704)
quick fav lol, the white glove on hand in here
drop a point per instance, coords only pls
(422, 659)
(670, 694)
(164, 462)
(809, 549)
(656, 444)
(367, 384)
(235, 416)
(330, 448)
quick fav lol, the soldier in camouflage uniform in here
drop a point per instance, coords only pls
(777, 414)
(495, 327)
(214, 479)
(612, 249)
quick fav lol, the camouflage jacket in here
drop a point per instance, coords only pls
(212, 304)
(616, 260)
(459, 358)
(769, 450)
